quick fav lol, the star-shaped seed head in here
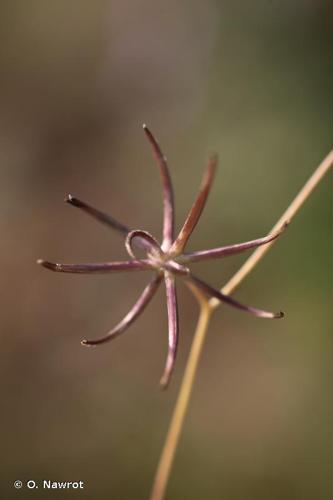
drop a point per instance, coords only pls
(167, 260)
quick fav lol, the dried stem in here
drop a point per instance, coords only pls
(206, 310)
(170, 446)
(291, 211)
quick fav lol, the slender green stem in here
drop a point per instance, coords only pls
(171, 442)
(206, 309)
(291, 211)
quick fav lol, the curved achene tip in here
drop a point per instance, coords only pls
(269, 315)
(164, 381)
(72, 200)
(87, 343)
(47, 264)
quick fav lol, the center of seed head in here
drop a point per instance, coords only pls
(144, 241)
(154, 253)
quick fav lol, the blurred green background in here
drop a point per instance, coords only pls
(250, 80)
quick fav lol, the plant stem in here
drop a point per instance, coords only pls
(291, 211)
(171, 442)
(206, 309)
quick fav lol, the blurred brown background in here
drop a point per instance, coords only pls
(250, 80)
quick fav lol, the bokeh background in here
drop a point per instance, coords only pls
(250, 80)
